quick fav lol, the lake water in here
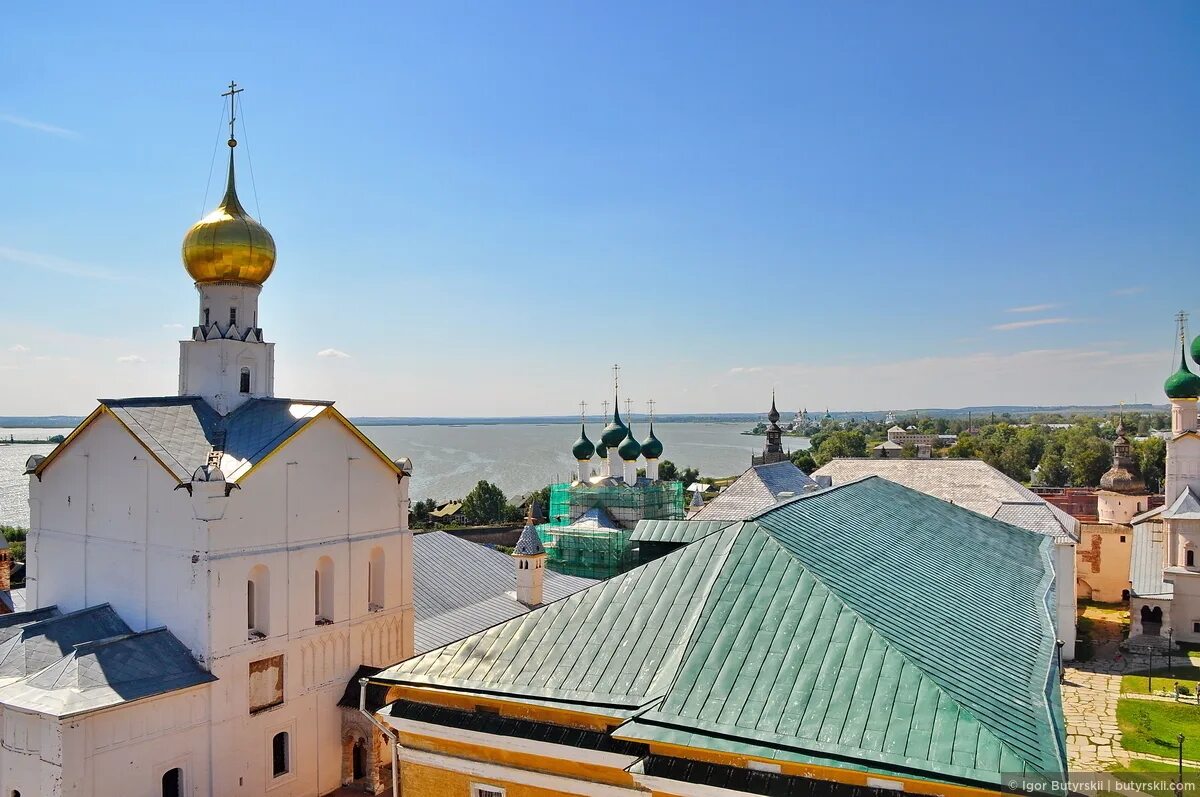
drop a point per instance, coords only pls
(449, 460)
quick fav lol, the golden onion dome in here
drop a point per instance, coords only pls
(228, 244)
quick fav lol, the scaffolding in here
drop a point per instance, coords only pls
(589, 527)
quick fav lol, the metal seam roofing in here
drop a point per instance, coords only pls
(868, 621)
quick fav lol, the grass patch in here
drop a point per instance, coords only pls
(1164, 680)
(1145, 775)
(1149, 726)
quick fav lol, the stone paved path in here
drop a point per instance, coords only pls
(1090, 695)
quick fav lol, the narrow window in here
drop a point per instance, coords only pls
(1190, 558)
(376, 585)
(250, 605)
(172, 783)
(1196, 627)
(1122, 538)
(233, 316)
(323, 591)
(207, 320)
(258, 602)
(245, 384)
(279, 754)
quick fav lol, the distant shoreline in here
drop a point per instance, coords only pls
(71, 421)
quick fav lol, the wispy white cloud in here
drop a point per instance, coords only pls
(41, 127)
(1032, 308)
(335, 353)
(51, 263)
(1130, 291)
(741, 369)
(131, 358)
(18, 348)
(1033, 322)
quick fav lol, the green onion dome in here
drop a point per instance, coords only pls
(583, 448)
(1183, 383)
(651, 447)
(629, 449)
(1196, 349)
(615, 432)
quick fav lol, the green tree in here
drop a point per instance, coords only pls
(841, 443)
(1051, 471)
(484, 504)
(418, 513)
(804, 460)
(908, 451)
(668, 471)
(15, 536)
(1086, 455)
(1151, 456)
(689, 476)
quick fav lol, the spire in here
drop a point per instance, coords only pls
(773, 415)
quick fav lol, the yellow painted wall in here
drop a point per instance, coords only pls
(510, 758)
(1102, 561)
(425, 781)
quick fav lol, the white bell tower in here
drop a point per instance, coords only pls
(229, 255)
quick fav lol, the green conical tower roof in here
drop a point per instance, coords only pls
(1183, 383)
(602, 450)
(629, 449)
(651, 447)
(583, 448)
(615, 432)
(1196, 349)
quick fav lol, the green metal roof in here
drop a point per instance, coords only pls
(866, 626)
(1183, 383)
(676, 530)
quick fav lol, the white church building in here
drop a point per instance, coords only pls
(206, 572)
(1164, 568)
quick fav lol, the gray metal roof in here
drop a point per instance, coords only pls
(969, 483)
(759, 488)
(1033, 516)
(595, 518)
(68, 664)
(461, 587)
(182, 430)
(1185, 507)
(1147, 558)
(682, 531)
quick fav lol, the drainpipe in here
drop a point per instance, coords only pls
(394, 741)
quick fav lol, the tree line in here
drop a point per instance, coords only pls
(1034, 453)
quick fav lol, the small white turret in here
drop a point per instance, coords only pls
(530, 557)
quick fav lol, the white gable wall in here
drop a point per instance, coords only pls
(323, 494)
(108, 526)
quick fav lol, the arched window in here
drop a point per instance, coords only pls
(280, 763)
(258, 601)
(323, 591)
(244, 383)
(207, 318)
(172, 783)
(376, 586)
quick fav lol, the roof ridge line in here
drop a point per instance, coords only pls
(896, 647)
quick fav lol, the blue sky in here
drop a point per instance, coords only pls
(864, 205)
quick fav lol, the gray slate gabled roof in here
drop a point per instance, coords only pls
(529, 543)
(461, 587)
(68, 664)
(759, 488)
(969, 483)
(182, 430)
